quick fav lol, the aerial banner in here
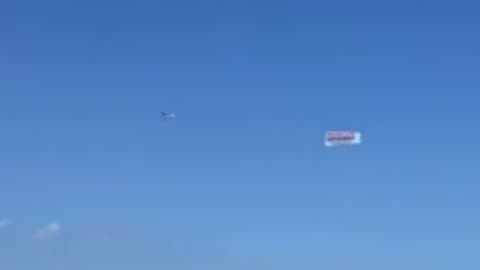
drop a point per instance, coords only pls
(339, 138)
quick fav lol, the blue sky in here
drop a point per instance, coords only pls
(240, 180)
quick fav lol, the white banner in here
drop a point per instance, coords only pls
(336, 138)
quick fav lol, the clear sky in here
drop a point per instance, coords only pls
(241, 179)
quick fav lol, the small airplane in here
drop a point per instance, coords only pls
(168, 116)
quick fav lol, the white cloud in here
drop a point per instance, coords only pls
(50, 231)
(4, 223)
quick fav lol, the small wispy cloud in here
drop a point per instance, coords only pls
(4, 223)
(48, 232)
